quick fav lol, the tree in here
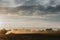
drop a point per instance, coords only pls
(3, 31)
(50, 29)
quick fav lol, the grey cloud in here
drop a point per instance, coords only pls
(36, 7)
(48, 5)
(45, 3)
(38, 2)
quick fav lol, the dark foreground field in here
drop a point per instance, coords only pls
(30, 37)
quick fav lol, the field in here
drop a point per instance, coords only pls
(30, 37)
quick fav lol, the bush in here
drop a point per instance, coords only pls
(3, 31)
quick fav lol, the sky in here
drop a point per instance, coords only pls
(43, 14)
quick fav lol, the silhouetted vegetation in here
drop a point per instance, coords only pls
(50, 29)
(32, 36)
(3, 31)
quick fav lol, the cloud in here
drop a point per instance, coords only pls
(31, 13)
(48, 5)
(45, 3)
(38, 2)
(34, 7)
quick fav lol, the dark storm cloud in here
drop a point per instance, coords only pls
(47, 5)
(38, 2)
(35, 7)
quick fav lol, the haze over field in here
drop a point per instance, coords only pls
(35, 14)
